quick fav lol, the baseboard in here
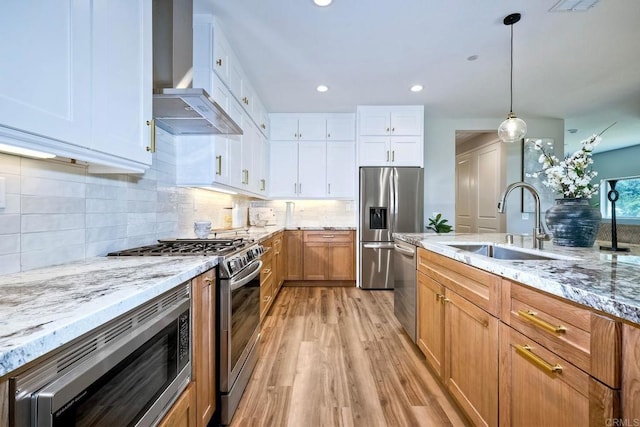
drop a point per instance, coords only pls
(336, 283)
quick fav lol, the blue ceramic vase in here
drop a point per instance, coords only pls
(573, 222)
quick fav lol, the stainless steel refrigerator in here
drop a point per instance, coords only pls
(391, 201)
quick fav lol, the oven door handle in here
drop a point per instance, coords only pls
(247, 276)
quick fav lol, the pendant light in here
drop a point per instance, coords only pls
(512, 129)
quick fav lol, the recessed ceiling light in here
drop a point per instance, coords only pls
(322, 88)
(472, 58)
(416, 88)
(322, 3)
(572, 130)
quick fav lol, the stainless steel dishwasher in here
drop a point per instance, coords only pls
(405, 290)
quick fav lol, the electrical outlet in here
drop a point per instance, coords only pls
(525, 215)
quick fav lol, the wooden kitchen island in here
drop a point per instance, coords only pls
(518, 342)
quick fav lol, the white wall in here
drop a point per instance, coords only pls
(440, 151)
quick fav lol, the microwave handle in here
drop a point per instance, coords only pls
(251, 274)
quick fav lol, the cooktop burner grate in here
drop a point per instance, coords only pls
(185, 247)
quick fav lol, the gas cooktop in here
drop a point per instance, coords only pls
(177, 247)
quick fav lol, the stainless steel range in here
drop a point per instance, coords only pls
(239, 305)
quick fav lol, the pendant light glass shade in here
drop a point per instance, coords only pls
(512, 129)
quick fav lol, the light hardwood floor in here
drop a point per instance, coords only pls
(336, 356)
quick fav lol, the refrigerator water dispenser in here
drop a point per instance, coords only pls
(378, 218)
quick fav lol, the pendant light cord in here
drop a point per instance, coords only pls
(511, 71)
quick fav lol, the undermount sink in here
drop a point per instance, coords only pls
(501, 252)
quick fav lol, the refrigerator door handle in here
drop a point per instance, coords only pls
(392, 202)
(378, 245)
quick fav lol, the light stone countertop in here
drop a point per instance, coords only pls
(41, 310)
(605, 281)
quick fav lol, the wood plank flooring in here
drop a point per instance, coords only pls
(336, 356)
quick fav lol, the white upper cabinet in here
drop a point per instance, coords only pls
(298, 127)
(76, 80)
(213, 54)
(390, 120)
(341, 169)
(390, 135)
(312, 156)
(341, 127)
(122, 73)
(45, 77)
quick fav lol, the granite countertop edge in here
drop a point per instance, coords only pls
(42, 310)
(586, 276)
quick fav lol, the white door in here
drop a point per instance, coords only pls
(284, 127)
(122, 86)
(465, 193)
(373, 151)
(45, 76)
(312, 169)
(283, 172)
(341, 169)
(406, 151)
(312, 128)
(341, 127)
(489, 187)
(374, 122)
(407, 122)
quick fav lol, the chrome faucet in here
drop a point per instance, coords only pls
(539, 236)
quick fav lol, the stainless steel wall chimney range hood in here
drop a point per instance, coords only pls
(179, 108)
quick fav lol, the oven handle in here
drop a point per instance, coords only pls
(64, 389)
(247, 276)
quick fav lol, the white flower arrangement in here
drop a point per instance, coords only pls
(572, 176)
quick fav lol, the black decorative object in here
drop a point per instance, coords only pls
(613, 196)
(573, 222)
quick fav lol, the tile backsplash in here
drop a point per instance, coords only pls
(57, 212)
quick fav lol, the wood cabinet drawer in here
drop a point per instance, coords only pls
(328, 236)
(590, 341)
(267, 268)
(477, 286)
(540, 388)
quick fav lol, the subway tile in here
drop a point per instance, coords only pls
(141, 206)
(103, 234)
(135, 194)
(51, 256)
(36, 186)
(9, 223)
(9, 263)
(106, 206)
(106, 219)
(105, 191)
(10, 244)
(53, 205)
(52, 239)
(12, 204)
(102, 248)
(51, 222)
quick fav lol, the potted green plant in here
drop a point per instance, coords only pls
(438, 224)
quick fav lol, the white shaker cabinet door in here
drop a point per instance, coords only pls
(45, 76)
(122, 78)
(406, 151)
(284, 127)
(407, 122)
(312, 128)
(283, 170)
(341, 166)
(312, 169)
(374, 121)
(341, 127)
(374, 151)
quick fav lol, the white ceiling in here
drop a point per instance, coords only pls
(583, 67)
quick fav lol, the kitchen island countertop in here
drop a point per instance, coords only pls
(605, 281)
(41, 310)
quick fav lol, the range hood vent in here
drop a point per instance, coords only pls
(179, 108)
(191, 112)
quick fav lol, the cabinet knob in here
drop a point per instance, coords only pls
(387, 129)
(219, 62)
(208, 280)
(393, 129)
(328, 135)
(263, 126)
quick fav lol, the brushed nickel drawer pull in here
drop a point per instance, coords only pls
(152, 135)
(525, 351)
(219, 62)
(219, 168)
(266, 271)
(328, 236)
(531, 317)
